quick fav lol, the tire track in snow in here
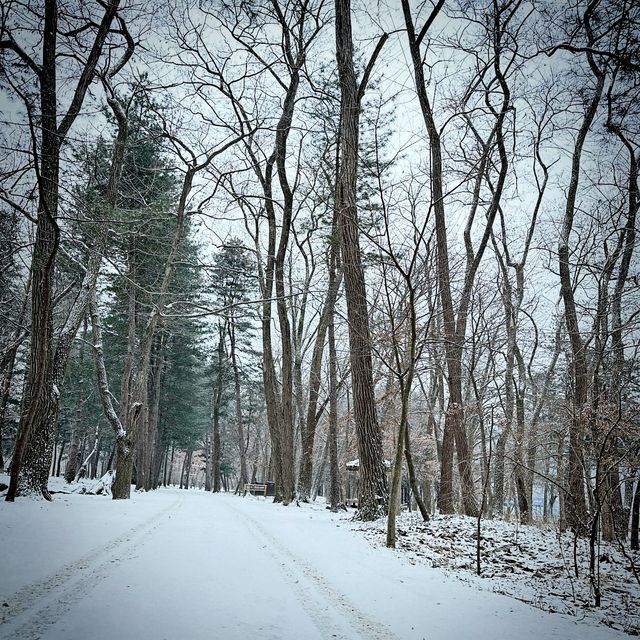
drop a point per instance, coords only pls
(37, 606)
(326, 625)
(306, 581)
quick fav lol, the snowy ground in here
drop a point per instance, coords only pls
(185, 565)
(528, 563)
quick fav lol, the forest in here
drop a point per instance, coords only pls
(382, 254)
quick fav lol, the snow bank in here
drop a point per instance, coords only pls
(525, 562)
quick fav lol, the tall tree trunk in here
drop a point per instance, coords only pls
(35, 435)
(74, 444)
(286, 408)
(9, 362)
(173, 452)
(241, 443)
(155, 380)
(455, 323)
(454, 435)
(215, 412)
(617, 341)
(326, 317)
(575, 498)
(60, 454)
(334, 487)
(32, 454)
(125, 385)
(635, 516)
(187, 469)
(413, 480)
(373, 492)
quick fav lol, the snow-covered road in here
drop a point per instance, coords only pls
(185, 565)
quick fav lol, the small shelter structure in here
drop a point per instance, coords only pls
(353, 479)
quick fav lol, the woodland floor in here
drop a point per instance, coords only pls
(186, 565)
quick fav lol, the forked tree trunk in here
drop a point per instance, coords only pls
(32, 454)
(326, 317)
(455, 322)
(413, 480)
(138, 406)
(454, 434)
(575, 499)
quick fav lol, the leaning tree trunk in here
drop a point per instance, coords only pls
(396, 478)
(413, 480)
(137, 404)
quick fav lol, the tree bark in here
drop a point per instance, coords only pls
(240, 438)
(373, 492)
(215, 413)
(413, 480)
(32, 454)
(125, 385)
(635, 516)
(334, 487)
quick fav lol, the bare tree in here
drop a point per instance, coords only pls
(493, 81)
